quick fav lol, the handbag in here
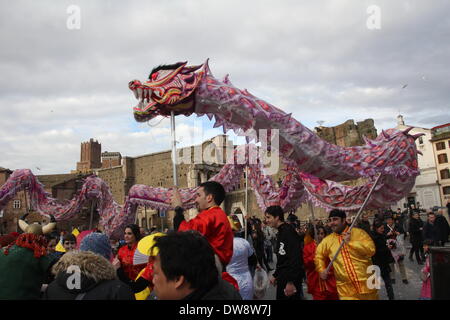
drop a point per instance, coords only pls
(260, 283)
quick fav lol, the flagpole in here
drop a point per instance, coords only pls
(174, 156)
(174, 148)
(354, 222)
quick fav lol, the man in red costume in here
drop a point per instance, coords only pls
(211, 222)
(318, 288)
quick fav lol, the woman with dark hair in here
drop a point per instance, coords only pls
(258, 244)
(126, 271)
(425, 292)
(383, 256)
(318, 288)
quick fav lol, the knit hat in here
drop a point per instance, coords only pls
(97, 243)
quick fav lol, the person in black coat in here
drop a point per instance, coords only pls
(443, 229)
(430, 229)
(185, 269)
(383, 257)
(364, 223)
(97, 281)
(448, 208)
(289, 270)
(416, 237)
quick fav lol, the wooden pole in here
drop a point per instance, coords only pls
(92, 214)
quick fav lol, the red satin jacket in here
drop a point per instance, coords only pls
(125, 256)
(316, 286)
(214, 225)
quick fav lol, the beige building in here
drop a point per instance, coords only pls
(197, 164)
(348, 134)
(441, 146)
(425, 193)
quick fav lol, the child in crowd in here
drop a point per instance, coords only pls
(425, 293)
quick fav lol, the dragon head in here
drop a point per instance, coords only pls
(169, 88)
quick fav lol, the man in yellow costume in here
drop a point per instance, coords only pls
(352, 262)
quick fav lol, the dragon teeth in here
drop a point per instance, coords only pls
(135, 93)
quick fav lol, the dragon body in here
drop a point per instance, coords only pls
(314, 168)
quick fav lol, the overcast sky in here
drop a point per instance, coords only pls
(316, 59)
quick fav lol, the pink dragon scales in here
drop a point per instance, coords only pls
(313, 167)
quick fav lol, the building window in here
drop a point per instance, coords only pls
(442, 158)
(420, 140)
(440, 146)
(449, 143)
(16, 204)
(446, 190)
(445, 174)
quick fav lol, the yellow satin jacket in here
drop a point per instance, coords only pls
(350, 266)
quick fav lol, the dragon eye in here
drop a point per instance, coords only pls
(154, 75)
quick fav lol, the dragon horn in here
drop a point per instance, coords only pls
(417, 135)
(226, 80)
(48, 228)
(206, 67)
(367, 141)
(23, 225)
(406, 131)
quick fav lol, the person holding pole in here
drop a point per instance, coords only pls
(351, 265)
(212, 222)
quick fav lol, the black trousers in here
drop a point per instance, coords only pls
(417, 249)
(385, 274)
(282, 285)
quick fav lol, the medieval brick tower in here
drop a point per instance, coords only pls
(90, 156)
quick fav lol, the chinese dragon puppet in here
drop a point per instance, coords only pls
(314, 169)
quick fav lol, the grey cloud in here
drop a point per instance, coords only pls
(308, 58)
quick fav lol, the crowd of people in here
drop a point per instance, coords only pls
(222, 257)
